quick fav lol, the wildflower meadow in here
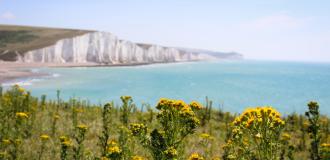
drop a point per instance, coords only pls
(38, 128)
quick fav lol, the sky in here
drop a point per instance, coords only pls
(294, 30)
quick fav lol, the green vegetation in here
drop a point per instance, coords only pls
(20, 39)
(36, 128)
(15, 37)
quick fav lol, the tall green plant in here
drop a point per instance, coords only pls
(106, 124)
(313, 116)
(177, 120)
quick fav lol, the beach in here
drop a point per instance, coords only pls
(15, 70)
(10, 71)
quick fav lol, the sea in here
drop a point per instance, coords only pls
(231, 85)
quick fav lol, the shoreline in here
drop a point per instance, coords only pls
(11, 71)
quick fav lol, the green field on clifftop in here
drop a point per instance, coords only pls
(20, 39)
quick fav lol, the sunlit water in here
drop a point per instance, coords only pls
(233, 86)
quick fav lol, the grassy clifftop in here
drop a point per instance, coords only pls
(20, 39)
(37, 128)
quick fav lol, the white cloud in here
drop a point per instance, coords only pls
(280, 20)
(8, 16)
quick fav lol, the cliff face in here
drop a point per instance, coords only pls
(105, 48)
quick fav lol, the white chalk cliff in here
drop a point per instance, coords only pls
(106, 48)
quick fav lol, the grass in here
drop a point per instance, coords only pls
(24, 38)
(36, 128)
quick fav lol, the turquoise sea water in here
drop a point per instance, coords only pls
(287, 86)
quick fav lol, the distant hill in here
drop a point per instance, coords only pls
(221, 55)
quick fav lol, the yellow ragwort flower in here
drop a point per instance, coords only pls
(56, 117)
(186, 111)
(67, 143)
(325, 145)
(137, 158)
(44, 137)
(63, 138)
(165, 103)
(206, 136)
(249, 122)
(137, 128)
(112, 142)
(195, 156)
(104, 158)
(78, 110)
(178, 104)
(125, 98)
(286, 136)
(259, 116)
(195, 105)
(19, 88)
(114, 150)
(18, 141)
(6, 141)
(22, 115)
(171, 152)
(82, 127)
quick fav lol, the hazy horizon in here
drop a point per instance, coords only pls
(273, 30)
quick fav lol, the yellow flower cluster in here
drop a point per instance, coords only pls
(206, 136)
(325, 145)
(56, 117)
(286, 136)
(112, 142)
(137, 128)
(78, 110)
(65, 141)
(325, 150)
(171, 152)
(125, 98)
(82, 127)
(195, 156)
(179, 105)
(165, 103)
(18, 141)
(258, 116)
(3, 154)
(104, 158)
(186, 111)
(137, 158)
(195, 105)
(114, 150)
(19, 89)
(44, 137)
(22, 115)
(6, 141)
(178, 109)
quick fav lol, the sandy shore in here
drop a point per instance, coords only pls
(10, 71)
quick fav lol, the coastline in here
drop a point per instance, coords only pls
(10, 71)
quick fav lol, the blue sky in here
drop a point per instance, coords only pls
(296, 30)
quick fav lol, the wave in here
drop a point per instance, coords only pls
(29, 81)
(25, 82)
(55, 75)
